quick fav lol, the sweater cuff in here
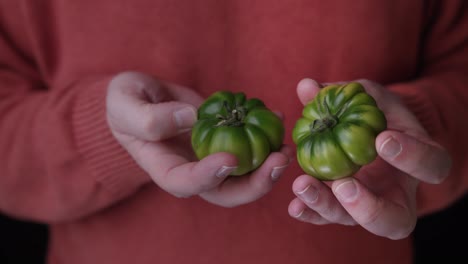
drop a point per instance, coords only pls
(112, 166)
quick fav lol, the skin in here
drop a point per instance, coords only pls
(381, 197)
(152, 120)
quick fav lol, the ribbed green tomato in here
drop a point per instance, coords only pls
(336, 134)
(228, 122)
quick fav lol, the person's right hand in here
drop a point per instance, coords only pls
(152, 121)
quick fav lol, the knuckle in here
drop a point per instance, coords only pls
(155, 126)
(171, 183)
(349, 222)
(261, 187)
(373, 214)
(335, 214)
(195, 186)
(131, 81)
(201, 187)
(415, 158)
(118, 81)
(429, 164)
(149, 128)
(174, 190)
(326, 209)
(181, 191)
(313, 217)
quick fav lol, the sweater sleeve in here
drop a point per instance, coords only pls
(439, 97)
(58, 158)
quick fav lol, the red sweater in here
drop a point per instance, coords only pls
(59, 163)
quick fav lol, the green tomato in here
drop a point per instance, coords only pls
(336, 134)
(228, 122)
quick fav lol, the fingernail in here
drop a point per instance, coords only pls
(390, 148)
(309, 194)
(299, 214)
(277, 172)
(224, 171)
(185, 117)
(346, 191)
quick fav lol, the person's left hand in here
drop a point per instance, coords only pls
(381, 197)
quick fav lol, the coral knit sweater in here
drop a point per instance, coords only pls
(59, 163)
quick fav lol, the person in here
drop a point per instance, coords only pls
(98, 100)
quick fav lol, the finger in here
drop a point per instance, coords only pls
(135, 107)
(397, 115)
(181, 178)
(426, 161)
(183, 94)
(298, 210)
(244, 189)
(307, 89)
(318, 197)
(384, 98)
(379, 216)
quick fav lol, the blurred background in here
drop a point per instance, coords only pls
(442, 237)
(438, 238)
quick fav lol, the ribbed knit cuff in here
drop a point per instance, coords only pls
(110, 164)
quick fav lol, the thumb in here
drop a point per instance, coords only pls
(307, 89)
(138, 106)
(168, 119)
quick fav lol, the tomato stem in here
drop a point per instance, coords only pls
(234, 117)
(327, 121)
(323, 124)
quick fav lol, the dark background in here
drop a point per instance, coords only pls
(438, 238)
(442, 237)
(22, 242)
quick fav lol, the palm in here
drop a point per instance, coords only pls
(389, 183)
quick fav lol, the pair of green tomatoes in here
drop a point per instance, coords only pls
(334, 137)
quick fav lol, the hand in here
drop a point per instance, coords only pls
(152, 121)
(381, 197)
